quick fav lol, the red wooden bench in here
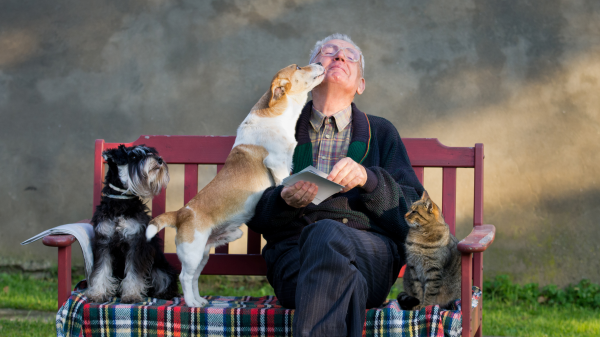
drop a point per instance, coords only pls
(213, 150)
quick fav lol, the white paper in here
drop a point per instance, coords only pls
(83, 232)
(327, 188)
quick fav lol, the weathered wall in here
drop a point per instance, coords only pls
(521, 77)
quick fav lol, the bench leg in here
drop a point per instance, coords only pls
(64, 274)
(478, 282)
(466, 293)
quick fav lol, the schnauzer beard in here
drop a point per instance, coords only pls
(146, 179)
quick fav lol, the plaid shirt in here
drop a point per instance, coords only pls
(330, 137)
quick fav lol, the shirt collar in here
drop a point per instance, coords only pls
(342, 118)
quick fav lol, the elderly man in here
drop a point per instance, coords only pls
(333, 260)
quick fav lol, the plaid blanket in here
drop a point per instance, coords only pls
(235, 316)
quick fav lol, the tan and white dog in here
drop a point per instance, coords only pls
(261, 157)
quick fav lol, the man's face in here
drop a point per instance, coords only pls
(340, 71)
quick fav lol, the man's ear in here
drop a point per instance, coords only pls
(278, 90)
(361, 86)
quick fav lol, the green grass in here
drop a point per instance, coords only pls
(26, 328)
(505, 319)
(503, 315)
(511, 309)
(22, 292)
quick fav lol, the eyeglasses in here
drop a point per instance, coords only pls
(331, 50)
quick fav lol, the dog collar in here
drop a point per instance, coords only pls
(118, 196)
(119, 189)
(128, 193)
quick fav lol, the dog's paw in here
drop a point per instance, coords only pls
(407, 302)
(96, 298)
(199, 298)
(196, 303)
(132, 298)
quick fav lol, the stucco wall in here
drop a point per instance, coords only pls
(522, 77)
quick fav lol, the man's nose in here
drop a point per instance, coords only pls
(340, 56)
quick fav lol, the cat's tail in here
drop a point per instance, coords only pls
(157, 224)
(448, 306)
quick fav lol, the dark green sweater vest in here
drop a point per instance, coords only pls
(357, 150)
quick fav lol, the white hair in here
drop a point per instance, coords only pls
(337, 36)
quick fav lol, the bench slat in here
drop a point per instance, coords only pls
(224, 249)
(449, 197)
(478, 197)
(430, 152)
(159, 204)
(253, 242)
(420, 172)
(427, 152)
(98, 172)
(186, 149)
(190, 182)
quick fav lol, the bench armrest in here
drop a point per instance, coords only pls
(480, 238)
(63, 243)
(58, 240)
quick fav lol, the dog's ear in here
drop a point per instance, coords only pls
(117, 156)
(279, 87)
(107, 155)
(124, 149)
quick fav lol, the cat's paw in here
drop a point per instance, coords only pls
(407, 302)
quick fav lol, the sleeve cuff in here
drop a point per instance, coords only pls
(372, 181)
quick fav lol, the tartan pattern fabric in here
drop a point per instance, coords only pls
(330, 137)
(236, 316)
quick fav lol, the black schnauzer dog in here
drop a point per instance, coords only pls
(125, 263)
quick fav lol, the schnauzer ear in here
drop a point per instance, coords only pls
(117, 156)
(107, 155)
(124, 149)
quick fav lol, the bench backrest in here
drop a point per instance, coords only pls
(192, 151)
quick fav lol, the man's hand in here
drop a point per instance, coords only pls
(300, 194)
(348, 173)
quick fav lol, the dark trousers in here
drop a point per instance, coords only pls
(330, 275)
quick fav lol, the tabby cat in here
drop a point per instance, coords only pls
(432, 273)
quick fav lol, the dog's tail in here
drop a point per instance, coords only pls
(160, 222)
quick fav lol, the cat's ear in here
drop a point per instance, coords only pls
(429, 205)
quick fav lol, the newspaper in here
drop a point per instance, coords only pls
(83, 232)
(311, 174)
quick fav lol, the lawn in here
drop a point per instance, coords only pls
(499, 318)
(27, 328)
(503, 319)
